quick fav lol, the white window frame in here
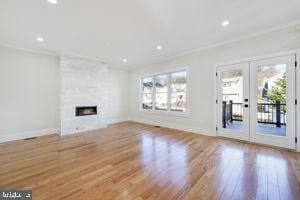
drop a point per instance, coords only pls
(168, 111)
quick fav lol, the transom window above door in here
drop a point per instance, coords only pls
(165, 92)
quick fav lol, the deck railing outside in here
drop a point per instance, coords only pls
(267, 113)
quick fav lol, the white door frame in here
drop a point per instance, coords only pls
(255, 58)
(298, 99)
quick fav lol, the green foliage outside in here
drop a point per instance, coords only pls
(278, 91)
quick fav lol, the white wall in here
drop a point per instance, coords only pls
(201, 77)
(29, 93)
(117, 105)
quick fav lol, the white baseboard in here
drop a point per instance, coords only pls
(117, 120)
(192, 129)
(27, 134)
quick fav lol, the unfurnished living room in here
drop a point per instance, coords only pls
(149, 99)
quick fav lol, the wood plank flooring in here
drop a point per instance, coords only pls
(137, 161)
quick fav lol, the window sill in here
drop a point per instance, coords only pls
(165, 113)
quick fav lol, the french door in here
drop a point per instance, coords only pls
(256, 101)
(233, 101)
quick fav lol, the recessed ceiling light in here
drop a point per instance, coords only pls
(53, 1)
(225, 23)
(159, 47)
(40, 39)
(125, 60)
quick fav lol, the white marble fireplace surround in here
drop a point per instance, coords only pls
(83, 83)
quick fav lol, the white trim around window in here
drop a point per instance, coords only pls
(169, 93)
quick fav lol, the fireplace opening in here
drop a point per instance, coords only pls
(87, 110)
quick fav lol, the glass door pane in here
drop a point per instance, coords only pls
(271, 100)
(232, 99)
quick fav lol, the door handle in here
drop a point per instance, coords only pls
(246, 105)
(246, 100)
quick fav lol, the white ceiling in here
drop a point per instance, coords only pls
(111, 30)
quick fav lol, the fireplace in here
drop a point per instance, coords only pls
(86, 110)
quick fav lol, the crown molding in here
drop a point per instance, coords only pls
(47, 53)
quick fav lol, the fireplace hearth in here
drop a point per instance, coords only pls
(86, 110)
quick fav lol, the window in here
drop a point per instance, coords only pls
(147, 93)
(165, 92)
(161, 92)
(178, 93)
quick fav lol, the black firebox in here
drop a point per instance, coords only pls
(86, 110)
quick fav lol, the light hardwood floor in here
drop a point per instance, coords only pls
(137, 161)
